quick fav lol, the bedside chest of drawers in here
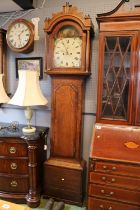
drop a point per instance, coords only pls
(21, 161)
(114, 168)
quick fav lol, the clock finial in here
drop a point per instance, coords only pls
(66, 7)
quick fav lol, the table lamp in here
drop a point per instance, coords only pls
(3, 96)
(28, 94)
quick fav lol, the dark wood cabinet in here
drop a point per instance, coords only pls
(21, 160)
(68, 43)
(114, 163)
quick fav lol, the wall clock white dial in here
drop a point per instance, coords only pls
(19, 35)
(67, 52)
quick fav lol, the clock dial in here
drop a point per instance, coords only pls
(19, 35)
(67, 52)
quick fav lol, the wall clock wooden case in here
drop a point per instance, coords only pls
(68, 43)
(20, 36)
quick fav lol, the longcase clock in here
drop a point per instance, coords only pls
(68, 53)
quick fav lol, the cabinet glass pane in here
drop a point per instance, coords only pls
(116, 77)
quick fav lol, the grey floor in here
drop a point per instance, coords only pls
(67, 207)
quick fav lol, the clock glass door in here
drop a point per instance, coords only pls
(67, 48)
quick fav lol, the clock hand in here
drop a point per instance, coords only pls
(66, 48)
(20, 33)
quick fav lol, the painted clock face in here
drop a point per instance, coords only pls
(67, 49)
(19, 35)
(67, 52)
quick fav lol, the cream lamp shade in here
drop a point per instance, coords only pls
(28, 94)
(3, 96)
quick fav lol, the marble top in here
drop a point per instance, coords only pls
(15, 130)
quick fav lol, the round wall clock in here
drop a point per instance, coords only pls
(20, 36)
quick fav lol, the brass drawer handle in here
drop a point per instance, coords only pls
(103, 178)
(102, 207)
(62, 179)
(13, 166)
(102, 191)
(107, 181)
(12, 150)
(91, 166)
(111, 193)
(114, 168)
(108, 195)
(113, 180)
(13, 183)
(104, 167)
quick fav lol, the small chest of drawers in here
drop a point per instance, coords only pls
(21, 165)
(114, 179)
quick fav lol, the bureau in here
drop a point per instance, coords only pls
(114, 168)
(21, 160)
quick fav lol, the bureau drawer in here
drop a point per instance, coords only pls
(13, 149)
(113, 193)
(14, 166)
(16, 183)
(66, 179)
(115, 168)
(100, 204)
(120, 181)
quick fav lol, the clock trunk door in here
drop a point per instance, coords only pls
(66, 118)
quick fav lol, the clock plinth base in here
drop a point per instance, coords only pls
(65, 181)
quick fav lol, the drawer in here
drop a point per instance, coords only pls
(63, 178)
(115, 168)
(14, 166)
(119, 181)
(100, 204)
(64, 194)
(113, 193)
(13, 149)
(16, 183)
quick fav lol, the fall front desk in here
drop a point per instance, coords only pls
(114, 168)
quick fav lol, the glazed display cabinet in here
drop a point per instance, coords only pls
(119, 67)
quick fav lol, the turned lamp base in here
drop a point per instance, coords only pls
(27, 130)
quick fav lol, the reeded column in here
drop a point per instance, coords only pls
(33, 197)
